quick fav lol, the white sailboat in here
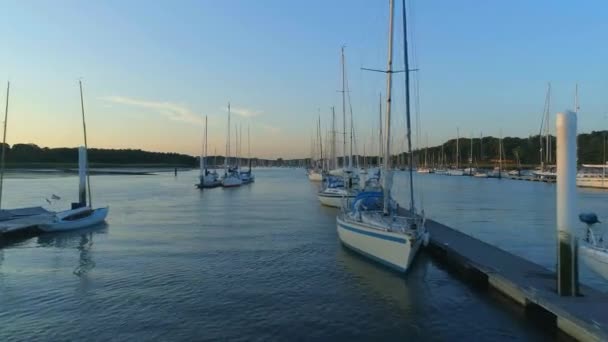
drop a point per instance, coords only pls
(335, 191)
(457, 171)
(247, 176)
(207, 179)
(82, 213)
(373, 225)
(232, 177)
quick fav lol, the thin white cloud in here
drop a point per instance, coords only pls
(270, 128)
(172, 111)
(244, 112)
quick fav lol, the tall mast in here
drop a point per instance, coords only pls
(227, 159)
(320, 136)
(8, 85)
(380, 149)
(387, 140)
(457, 151)
(407, 107)
(333, 139)
(343, 110)
(576, 106)
(549, 127)
(203, 162)
(471, 156)
(84, 127)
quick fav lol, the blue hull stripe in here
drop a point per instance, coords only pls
(372, 234)
(376, 259)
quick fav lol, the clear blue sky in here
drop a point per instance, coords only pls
(151, 69)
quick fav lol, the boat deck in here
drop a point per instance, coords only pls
(584, 317)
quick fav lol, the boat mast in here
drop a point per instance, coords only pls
(86, 147)
(204, 152)
(548, 128)
(320, 136)
(227, 159)
(8, 85)
(387, 140)
(380, 135)
(457, 151)
(343, 110)
(407, 107)
(471, 157)
(249, 146)
(334, 156)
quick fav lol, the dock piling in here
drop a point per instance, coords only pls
(567, 246)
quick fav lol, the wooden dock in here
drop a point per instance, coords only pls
(23, 221)
(584, 317)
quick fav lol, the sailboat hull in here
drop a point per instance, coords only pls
(97, 216)
(393, 250)
(315, 177)
(596, 258)
(333, 198)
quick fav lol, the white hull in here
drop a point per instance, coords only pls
(596, 258)
(315, 177)
(61, 222)
(333, 198)
(455, 173)
(391, 249)
(231, 182)
(592, 182)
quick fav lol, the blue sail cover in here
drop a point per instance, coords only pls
(334, 182)
(369, 200)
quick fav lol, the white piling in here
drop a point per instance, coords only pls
(82, 174)
(567, 245)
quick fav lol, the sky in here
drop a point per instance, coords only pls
(152, 69)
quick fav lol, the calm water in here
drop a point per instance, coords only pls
(261, 262)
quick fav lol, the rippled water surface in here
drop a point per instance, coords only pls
(260, 262)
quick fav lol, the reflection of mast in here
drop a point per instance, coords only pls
(85, 262)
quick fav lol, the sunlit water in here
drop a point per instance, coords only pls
(260, 262)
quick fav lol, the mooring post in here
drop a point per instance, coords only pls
(567, 244)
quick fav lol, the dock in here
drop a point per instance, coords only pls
(584, 317)
(23, 221)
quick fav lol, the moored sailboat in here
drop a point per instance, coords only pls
(373, 224)
(81, 214)
(232, 177)
(207, 179)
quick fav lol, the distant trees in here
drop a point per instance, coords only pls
(31, 153)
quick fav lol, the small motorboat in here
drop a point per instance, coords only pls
(75, 219)
(593, 249)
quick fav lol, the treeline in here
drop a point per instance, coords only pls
(592, 149)
(33, 154)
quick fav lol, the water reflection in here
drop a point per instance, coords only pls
(81, 239)
(392, 287)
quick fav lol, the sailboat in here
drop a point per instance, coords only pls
(207, 179)
(315, 173)
(232, 177)
(546, 172)
(373, 225)
(246, 176)
(81, 214)
(457, 171)
(425, 168)
(336, 190)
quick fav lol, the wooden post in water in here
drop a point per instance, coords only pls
(567, 244)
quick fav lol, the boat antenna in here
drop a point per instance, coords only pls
(407, 108)
(86, 147)
(8, 85)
